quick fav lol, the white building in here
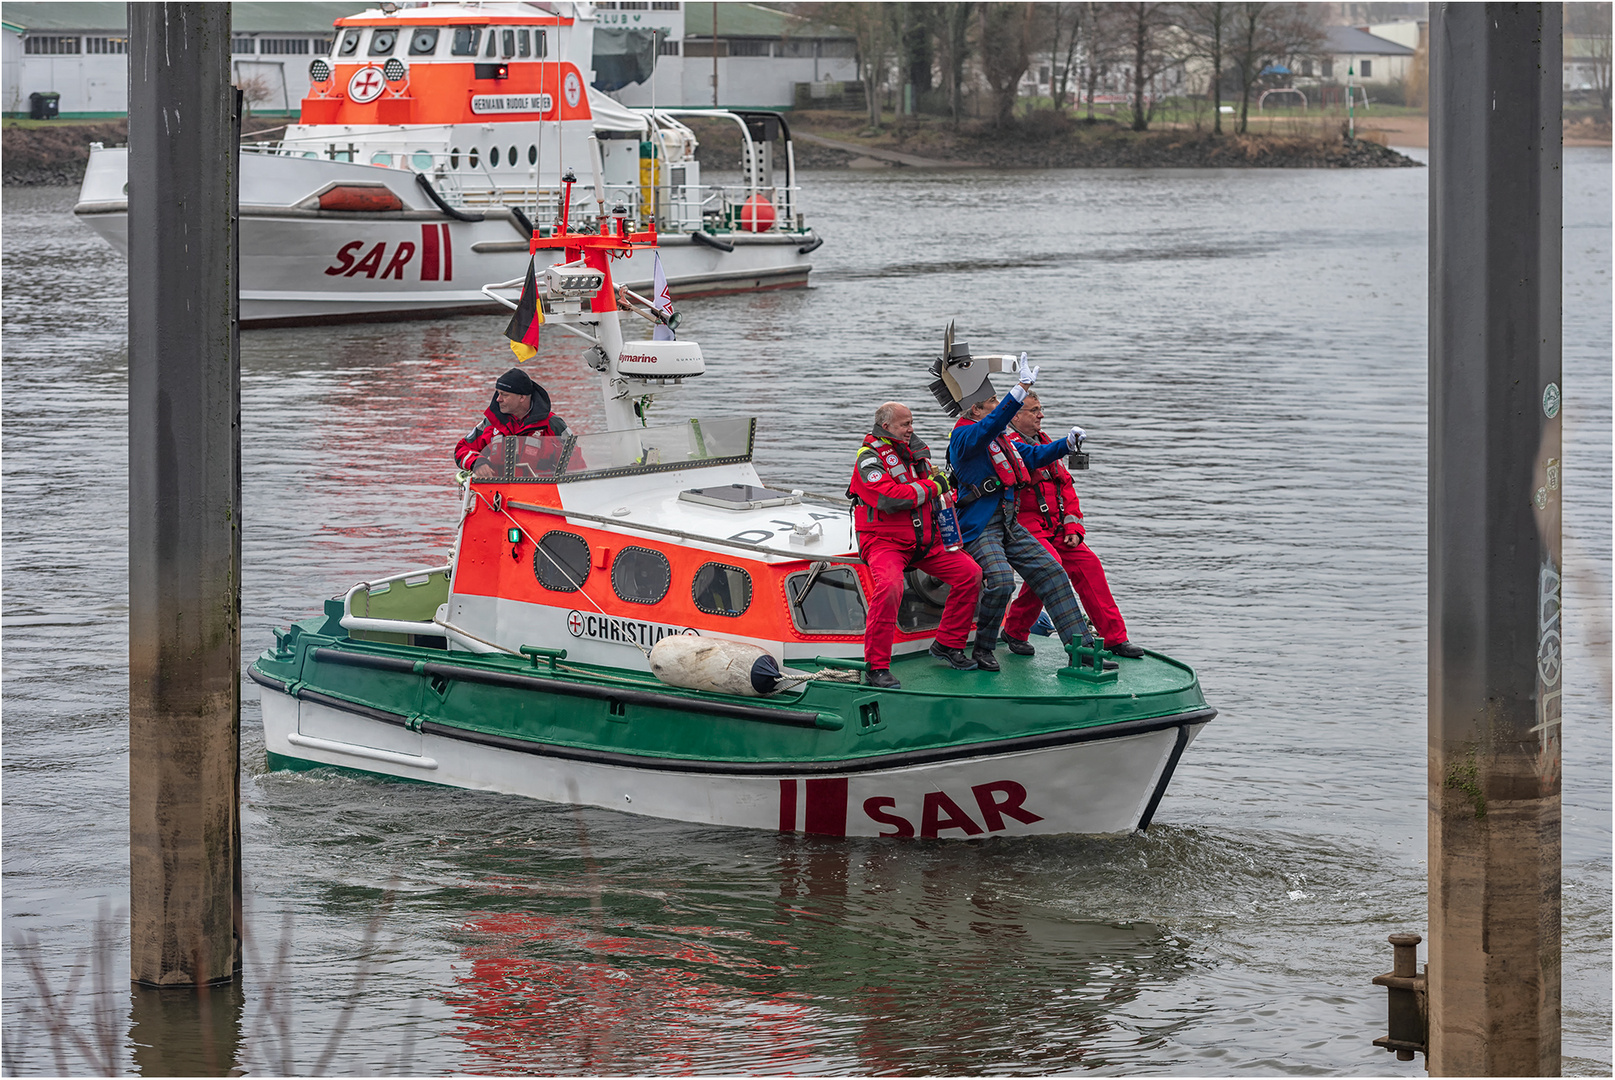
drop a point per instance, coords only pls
(757, 54)
(80, 51)
(1368, 58)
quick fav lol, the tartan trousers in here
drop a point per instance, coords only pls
(1005, 547)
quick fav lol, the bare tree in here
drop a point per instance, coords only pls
(1007, 36)
(1104, 39)
(953, 48)
(1589, 26)
(877, 29)
(1147, 29)
(1209, 27)
(1265, 34)
(1065, 26)
(919, 48)
(255, 90)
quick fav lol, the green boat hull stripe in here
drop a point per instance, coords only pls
(791, 717)
(1166, 778)
(839, 767)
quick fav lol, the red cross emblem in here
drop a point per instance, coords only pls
(366, 85)
(574, 623)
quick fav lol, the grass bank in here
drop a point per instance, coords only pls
(1049, 140)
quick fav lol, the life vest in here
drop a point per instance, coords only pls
(1047, 494)
(1008, 469)
(900, 467)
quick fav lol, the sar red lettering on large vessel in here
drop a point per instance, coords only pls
(371, 264)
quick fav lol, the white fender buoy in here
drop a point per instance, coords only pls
(727, 667)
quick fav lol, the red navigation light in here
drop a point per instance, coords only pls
(501, 71)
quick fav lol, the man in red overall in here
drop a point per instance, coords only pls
(519, 407)
(1050, 511)
(893, 488)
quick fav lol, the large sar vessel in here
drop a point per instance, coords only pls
(433, 141)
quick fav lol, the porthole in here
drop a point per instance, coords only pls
(640, 575)
(381, 157)
(423, 42)
(493, 158)
(513, 157)
(561, 562)
(471, 158)
(422, 160)
(721, 590)
(532, 155)
(454, 158)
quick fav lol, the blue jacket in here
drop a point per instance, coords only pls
(967, 453)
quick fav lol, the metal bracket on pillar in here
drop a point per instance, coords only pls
(1406, 1009)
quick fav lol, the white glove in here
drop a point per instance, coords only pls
(1074, 439)
(1028, 374)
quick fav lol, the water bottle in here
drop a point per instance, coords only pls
(947, 523)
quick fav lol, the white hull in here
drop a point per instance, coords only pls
(300, 264)
(1104, 785)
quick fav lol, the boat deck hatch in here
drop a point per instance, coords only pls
(740, 497)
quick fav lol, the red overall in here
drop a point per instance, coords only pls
(896, 532)
(1050, 511)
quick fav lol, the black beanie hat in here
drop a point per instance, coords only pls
(515, 381)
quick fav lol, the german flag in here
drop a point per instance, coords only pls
(524, 324)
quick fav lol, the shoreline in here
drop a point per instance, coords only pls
(55, 155)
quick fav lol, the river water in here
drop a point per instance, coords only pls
(1246, 350)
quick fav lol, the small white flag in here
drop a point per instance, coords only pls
(662, 297)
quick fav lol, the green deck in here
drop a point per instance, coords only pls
(601, 709)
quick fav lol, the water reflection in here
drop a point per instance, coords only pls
(186, 1031)
(816, 956)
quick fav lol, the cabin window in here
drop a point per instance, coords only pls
(454, 158)
(422, 160)
(512, 155)
(509, 39)
(382, 42)
(423, 42)
(493, 157)
(561, 562)
(524, 44)
(826, 601)
(541, 44)
(640, 575)
(532, 155)
(493, 43)
(471, 158)
(381, 157)
(350, 42)
(721, 590)
(466, 39)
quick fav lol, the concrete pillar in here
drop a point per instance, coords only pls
(1495, 394)
(184, 498)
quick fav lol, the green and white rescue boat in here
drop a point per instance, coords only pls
(633, 620)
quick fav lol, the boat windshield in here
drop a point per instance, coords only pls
(559, 458)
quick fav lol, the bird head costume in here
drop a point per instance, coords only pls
(960, 378)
